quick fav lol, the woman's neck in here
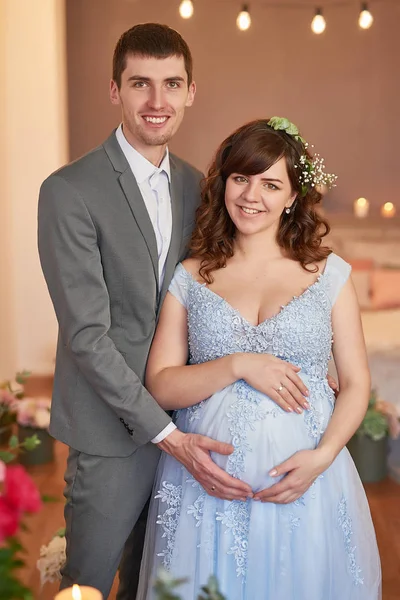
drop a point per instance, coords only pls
(257, 246)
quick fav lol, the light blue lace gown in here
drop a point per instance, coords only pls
(321, 547)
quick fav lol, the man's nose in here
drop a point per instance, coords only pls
(156, 99)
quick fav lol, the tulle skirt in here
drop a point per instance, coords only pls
(321, 547)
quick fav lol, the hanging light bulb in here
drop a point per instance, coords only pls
(243, 20)
(318, 23)
(186, 9)
(365, 19)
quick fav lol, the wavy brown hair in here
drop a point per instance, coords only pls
(250, 150)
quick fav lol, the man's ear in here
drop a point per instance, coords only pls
(114, 92)
(191, 94)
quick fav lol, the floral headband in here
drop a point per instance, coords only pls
(312, 169)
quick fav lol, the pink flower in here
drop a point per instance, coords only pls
(9, 520)
(34, 412)
(7, 398)
(20, 492)
(2, 471)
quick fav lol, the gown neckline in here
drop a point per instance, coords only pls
(283, 307)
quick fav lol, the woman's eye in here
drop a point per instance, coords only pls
(240, 179)
(272, 186)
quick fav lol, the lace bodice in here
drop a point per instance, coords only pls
(300, 333)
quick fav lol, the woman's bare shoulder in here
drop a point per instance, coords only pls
(192, 266)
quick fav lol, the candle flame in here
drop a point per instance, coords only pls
(362, 202)
(388, 206)
(76, 592)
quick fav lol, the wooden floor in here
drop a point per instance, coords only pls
(384, 500)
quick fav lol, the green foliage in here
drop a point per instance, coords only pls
(22, 377)
(10, 586)
(14, 447)
(374, 424)
(211, 590)
(13, 442)
(283, 124)
(165, 585)
(31, 443)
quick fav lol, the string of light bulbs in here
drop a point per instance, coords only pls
(318, 23)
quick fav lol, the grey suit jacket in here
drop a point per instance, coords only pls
(99, 256)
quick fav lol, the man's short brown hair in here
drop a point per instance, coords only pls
(150, 40)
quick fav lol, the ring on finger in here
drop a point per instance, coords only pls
(213, 488)
(280, 388)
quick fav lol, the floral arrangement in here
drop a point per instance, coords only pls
(382, 418)
(165, 585)
(15, 407)
(34, 412)
(52, 558)
(10, 393)
(18, 496)
(312, 170)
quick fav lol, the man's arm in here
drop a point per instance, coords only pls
(71, 264)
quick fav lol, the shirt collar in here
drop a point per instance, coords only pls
(142, 168)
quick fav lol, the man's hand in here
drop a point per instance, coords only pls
(333, 385)
(300, 471)
(193, 451)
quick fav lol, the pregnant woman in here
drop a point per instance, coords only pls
(260, 303)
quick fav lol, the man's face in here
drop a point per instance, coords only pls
(153, 96)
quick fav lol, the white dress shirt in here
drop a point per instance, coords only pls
(153, 183)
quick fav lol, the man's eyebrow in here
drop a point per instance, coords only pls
(138, 78)
(144, 78)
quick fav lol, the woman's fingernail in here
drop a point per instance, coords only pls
(273, 473)
(299, 410)
(307, 393)
(306, 405)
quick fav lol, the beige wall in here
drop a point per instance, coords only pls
(342, 88)
(33, 143)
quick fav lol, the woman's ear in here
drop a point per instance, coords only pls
(292, 200)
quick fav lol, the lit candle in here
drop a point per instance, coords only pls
(388, 210)
(79, 592)
(361, 207)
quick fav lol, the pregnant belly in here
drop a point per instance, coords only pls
(263, 435)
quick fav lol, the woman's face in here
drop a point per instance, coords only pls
(255, 203)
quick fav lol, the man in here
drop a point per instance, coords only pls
(112, 227)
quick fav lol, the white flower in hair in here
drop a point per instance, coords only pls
(312, 170)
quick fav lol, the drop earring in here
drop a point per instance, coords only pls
(287, 210)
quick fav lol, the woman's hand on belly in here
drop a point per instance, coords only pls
(273, 377)
(299, 471)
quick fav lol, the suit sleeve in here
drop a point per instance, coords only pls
(71, 264)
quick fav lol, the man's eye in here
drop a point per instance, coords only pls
(139, 84)
(173, 84)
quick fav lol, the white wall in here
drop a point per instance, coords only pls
(33, 124)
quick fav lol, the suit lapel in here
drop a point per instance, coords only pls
(134, 197)
(177, 199)
(139, 210)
